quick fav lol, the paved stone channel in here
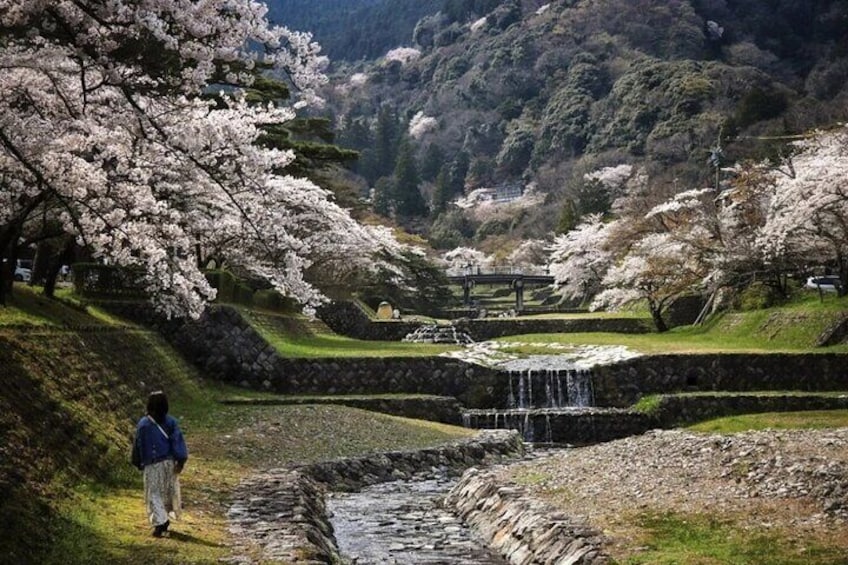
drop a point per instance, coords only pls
(405, 522)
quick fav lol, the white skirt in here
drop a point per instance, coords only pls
(162, 492)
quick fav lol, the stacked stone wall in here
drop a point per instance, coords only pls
(481, 330)
(622, 384)
(283, 514)
(224, 346)
(520, 528)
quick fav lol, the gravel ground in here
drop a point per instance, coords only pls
(791, 483)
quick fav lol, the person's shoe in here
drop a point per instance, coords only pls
(166, 525)
(161, 530)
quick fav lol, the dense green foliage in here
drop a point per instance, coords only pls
(354, 29)
(549, 95)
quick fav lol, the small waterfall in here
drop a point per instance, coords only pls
(466, 420)
(579, 386)
(511, 399)
(526, 428)
(522, 390)
(561, 400)
(548, 434)
(529, 389)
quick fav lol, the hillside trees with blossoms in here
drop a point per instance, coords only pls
(807, 218)
(104, 130)
(649, 254)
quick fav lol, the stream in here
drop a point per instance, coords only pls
(404, 522)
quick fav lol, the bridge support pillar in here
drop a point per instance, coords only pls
(467, 285)
(519, 295)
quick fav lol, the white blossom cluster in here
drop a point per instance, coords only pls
(404, 55)
(766, 222)
(102, 128)
(421, 124)
(460, 259)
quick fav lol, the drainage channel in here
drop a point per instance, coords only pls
(404, 522)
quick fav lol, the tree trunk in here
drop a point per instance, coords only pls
(65, 257)
(656, 316)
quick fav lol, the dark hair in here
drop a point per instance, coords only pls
(157, 406)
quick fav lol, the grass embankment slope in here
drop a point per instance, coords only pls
(793, 327)
(292, 336)
(73, 384)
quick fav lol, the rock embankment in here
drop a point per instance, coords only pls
(281, 514)
(793, 481)
(523, 529)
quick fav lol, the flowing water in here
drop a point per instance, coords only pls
(404, 522)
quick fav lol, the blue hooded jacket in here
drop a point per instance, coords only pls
(151, 445)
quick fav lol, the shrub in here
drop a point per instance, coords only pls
(756, 297)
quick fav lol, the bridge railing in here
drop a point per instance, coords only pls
(539, 270)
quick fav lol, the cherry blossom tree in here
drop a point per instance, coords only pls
(107, 126)
(656, 270)
(530, 253)
(463, 259)
(579, 258)
(807, 218)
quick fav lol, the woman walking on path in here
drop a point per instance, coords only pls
(160, 451)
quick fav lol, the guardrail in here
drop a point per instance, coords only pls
(499, 270)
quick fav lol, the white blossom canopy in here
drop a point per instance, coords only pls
(104, 127)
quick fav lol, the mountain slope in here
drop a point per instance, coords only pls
(353, 29)
(544, 93)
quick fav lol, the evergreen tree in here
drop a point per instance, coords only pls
(432, 162)
(567, 217)
(383, 196)
(441, 192)
(386, 137)
(457, 173)
(408, 199)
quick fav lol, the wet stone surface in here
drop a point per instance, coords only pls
(404, 522)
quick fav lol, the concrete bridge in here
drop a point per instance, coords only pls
(517, 278)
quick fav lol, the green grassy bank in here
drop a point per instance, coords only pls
(72, 385)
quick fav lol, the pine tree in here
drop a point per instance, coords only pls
(407, 194)
(441, 192)
(386, 138)
(457, 173)
(432, 162)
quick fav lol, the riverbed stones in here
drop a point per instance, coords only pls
(281, 514)
(522, 528)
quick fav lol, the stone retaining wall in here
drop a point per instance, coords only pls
(622, 384)
(283, 513)
(679, 410)
(346, 318)
(524, 530)
(224, 346)
(444, 409)
(481, 330)
(576, 427)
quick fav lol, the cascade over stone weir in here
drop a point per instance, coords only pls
(554, 388)
(540, 399)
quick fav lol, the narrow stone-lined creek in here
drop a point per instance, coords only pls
(404, 522)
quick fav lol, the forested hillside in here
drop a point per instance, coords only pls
(538, 94)
(353, 29)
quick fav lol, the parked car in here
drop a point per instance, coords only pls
(22, 274)
(827, 283)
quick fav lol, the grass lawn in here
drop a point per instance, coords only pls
(698, 539)
(814, 419)
(106, 524)
(706, 539)
(790, 328)
(293, 336)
